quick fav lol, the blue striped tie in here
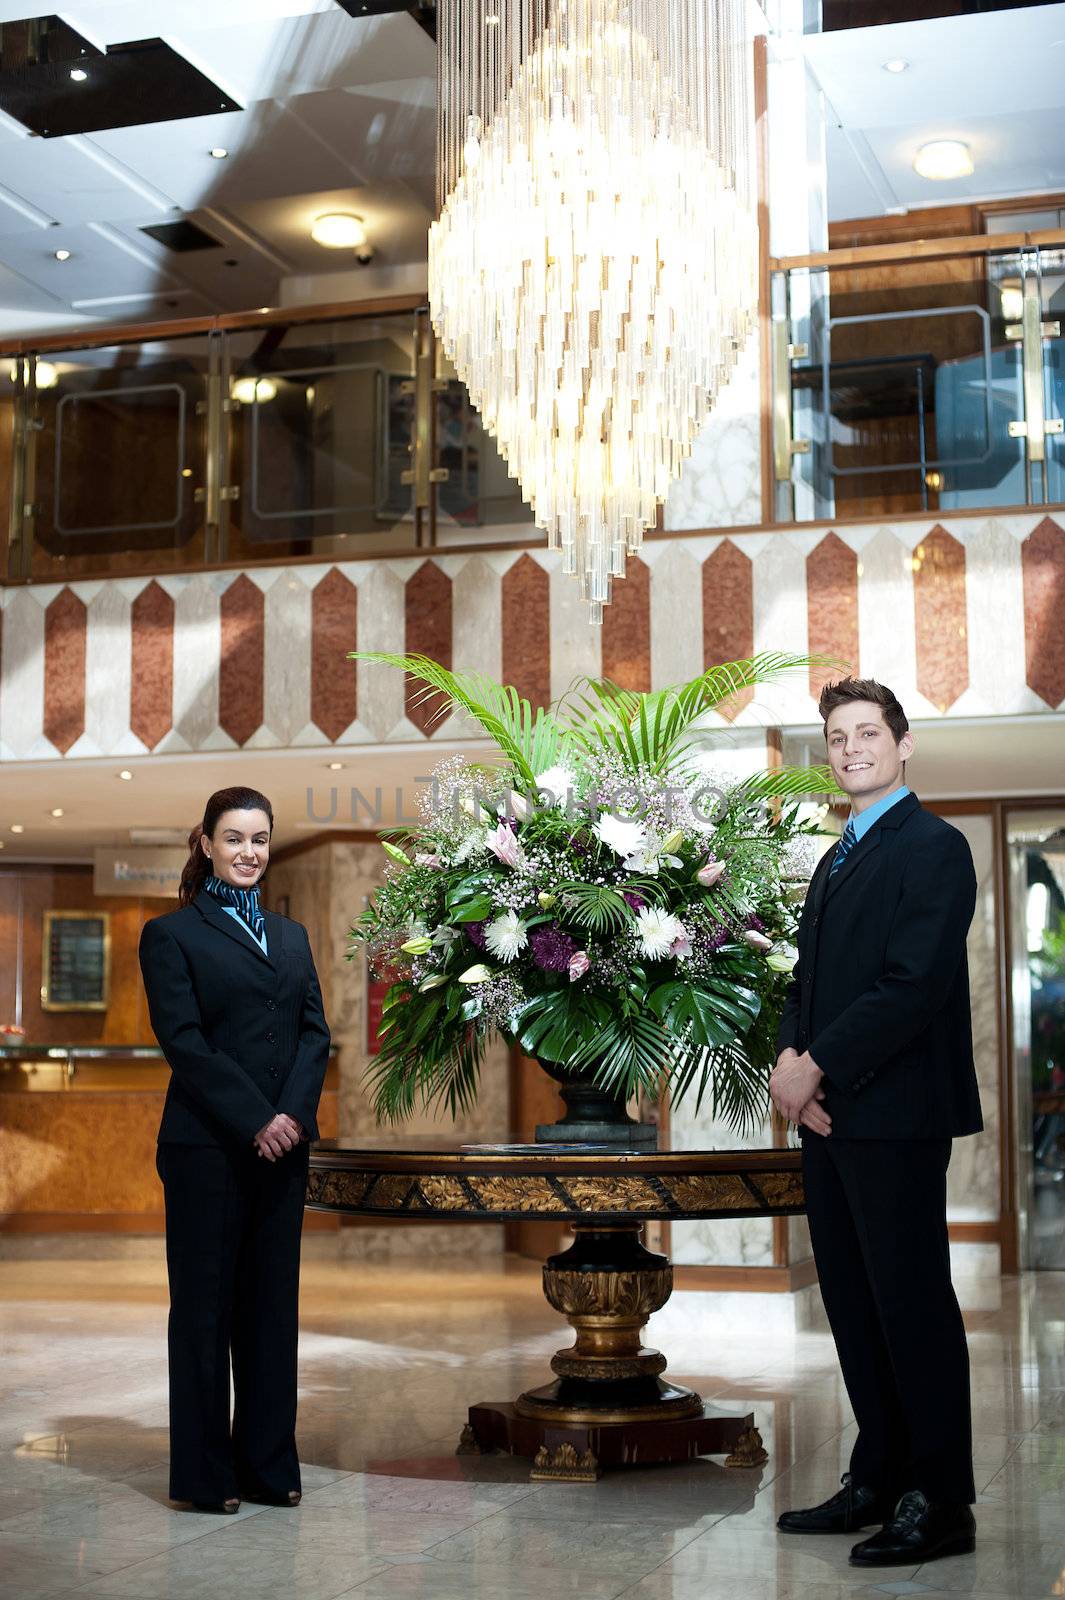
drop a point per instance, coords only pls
(844, 848)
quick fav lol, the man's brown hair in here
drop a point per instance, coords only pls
(849, 689)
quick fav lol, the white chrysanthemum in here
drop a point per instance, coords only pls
(656, 931)
(621, 834)
(558, 781)
(506, 936)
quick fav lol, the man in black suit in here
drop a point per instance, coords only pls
(876, 1066)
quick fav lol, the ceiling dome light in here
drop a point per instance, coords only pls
(126, 774)
(339, 230)
(943, 158)
(78, 74)
(896, 64)
(252, 391)
(17, 827)
(62, 255)
(57, 811)
(218, 153)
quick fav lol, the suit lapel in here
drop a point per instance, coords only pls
(212, 912)
(853, 859)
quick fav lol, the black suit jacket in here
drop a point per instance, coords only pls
(880, 993)
(244, 1033)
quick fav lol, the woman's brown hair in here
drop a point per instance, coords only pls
(197, 868)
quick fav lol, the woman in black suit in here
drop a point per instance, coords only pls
(235, 1004)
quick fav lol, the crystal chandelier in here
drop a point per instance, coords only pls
(593, 270)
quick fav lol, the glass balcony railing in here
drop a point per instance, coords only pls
(921, 381)
(244, 439)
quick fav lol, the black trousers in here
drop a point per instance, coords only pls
(877, 1213)
(233, 1226)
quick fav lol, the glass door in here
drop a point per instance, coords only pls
(1036, 844)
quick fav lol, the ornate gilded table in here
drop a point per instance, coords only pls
(609, 1404)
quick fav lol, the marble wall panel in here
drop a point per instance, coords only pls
(525, 622)
(287, 660)
(108, 665)
(151, 664)
(973, 1178)
(65, 626)
(720, 484)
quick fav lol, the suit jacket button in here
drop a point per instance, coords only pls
(269, 1038)
(270, 1005)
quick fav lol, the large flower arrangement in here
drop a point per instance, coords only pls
(593, 895)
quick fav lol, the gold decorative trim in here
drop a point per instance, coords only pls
(563, 1465)
(476, 1196)
(749, 1450)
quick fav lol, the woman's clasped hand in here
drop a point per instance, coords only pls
(281, 1134)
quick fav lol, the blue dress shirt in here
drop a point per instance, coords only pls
(864, 821)
(233, 912)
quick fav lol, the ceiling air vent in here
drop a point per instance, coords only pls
(181, 236)
(56, 83)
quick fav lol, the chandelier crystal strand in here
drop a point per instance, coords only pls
(593, 270)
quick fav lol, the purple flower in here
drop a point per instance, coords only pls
(755, 923)
(475, 933)
(636, 901)
(717, 936)
(552, 950)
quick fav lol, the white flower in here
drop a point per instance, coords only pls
(506, 936)
(475, 845)
(558, 781)
(756, 940)
(656, 930)
(621, 835)
(782, 958)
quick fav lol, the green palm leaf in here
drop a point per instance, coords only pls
(532, 740)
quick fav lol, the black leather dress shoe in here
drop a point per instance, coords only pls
(919, 1531)
(852, 1509)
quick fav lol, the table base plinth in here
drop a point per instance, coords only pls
(579, 1452)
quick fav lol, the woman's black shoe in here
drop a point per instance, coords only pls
(919, 1531)
(852, 1509)
(292, 1498)
(225, 1508)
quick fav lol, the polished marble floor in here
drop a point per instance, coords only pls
(390, 1358)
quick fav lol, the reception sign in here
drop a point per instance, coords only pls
(141, 870)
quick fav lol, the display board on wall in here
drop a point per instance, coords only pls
(76, 961)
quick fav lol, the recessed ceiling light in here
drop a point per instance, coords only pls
(78, 74)
(943, 158)
(896, 64)
(335, 766)
(17, 827)
(57, 811)
(339, 230)
(264, 309)
(62, 255)
(125, 773)
(217, 153)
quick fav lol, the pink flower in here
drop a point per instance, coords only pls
(709, 874)
(682, 945)
(503, 843)
(427, 858)
(578, 965)
(756, 940)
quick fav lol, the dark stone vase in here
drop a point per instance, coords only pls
(593, 1116)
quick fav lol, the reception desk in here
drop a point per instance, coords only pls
(77, 1136)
